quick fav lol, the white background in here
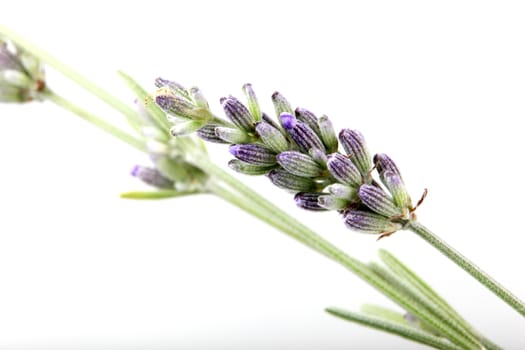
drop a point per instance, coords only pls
(438, 86)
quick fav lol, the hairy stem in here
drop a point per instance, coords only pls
(468, 266)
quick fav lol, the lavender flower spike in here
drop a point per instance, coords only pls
(355, 146)
(367, 222)
(299, 164)
(378, 200)
(253, 154)
(301, 133)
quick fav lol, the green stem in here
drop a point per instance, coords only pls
(394, 328)
(468, 266)
(96, 121)
(412, 279)
(267, 211)
(69, 72)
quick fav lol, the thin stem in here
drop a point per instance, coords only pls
(399, 329)
(72, 74)
(94, 120)
(262, 208)
(468, 266)
(412, 279)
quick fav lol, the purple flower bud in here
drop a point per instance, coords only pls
(231, 135)
(174, 87)
(288, 121)
(367, 222)
(207, 133)
(308, 118)
(283, 179)
(395, 185)
(308, 201)
(343, 170)
(384, 163)
(238, 114)
(272, 137)
(198, 98)
(331, 202)
(378, 200)
(152, 177)
(301, 133)
(355, 146)
(248, 169)
(280, 104)
(175, 105)
(253, 104)
(327, 134)
(253, 154)
(299, 164)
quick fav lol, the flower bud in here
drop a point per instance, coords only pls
(327, 134)
(198, 98)
(342, 191)
(397, 188)
(207, 133)
(355, 146)
(22, 77)
(343, 170)
(308, 118)
(179, 106)
(283, 179)
(301, 133)
(175, 88)
(384, 163)
(299, 164)
(248, 169)
(332, 202)
(253, 104)
(367, 222)
(253, 154)
(280, 104)
(238, 114)
(378, 200)
(152, 177)
(185, 128)
(231, 135)
(308, 201)
(271, 136)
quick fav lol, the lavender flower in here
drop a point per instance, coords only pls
(300, 154)
(22, 77)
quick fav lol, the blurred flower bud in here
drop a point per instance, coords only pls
(248, 169)
(152, 177)
(22, 76)
(283, 179)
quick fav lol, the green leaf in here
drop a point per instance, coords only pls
(164, 194)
